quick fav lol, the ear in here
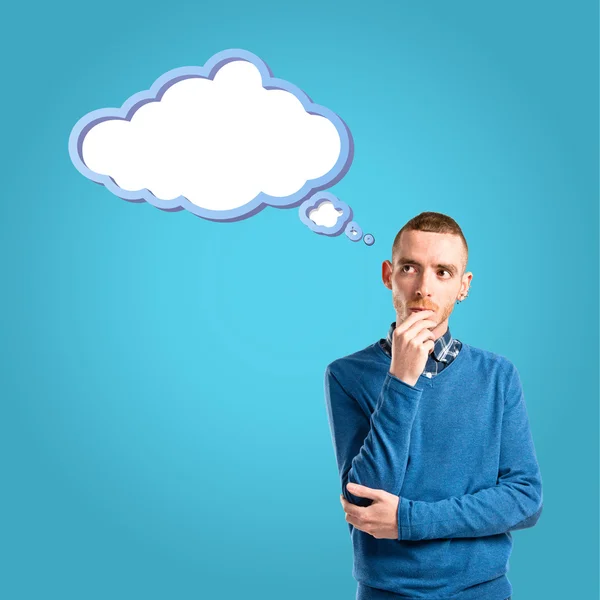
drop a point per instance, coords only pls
(466, 284)
(386, 274)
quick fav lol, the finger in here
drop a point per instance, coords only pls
(416, 328)
(413, 318)
(354, 510)
(362, 491)
(355, 522)
(423, 336)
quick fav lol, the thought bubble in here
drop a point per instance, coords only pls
(223, 141)
(353, 231)
(325, 214)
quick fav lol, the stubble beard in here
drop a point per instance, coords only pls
(403, 312)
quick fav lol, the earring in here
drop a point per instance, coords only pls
(465, 296)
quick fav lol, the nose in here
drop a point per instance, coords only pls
(423, 285)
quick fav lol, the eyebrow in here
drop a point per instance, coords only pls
(409, 261)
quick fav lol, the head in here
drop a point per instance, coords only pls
(428, 268)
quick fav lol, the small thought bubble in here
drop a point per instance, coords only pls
(325, 214)
(353, 231)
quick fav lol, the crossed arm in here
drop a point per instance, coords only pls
(373, 452)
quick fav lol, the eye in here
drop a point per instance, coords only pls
(444, 271)
(403, 268)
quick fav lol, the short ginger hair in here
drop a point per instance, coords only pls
(434, 222)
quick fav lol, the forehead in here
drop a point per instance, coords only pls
(430, 247)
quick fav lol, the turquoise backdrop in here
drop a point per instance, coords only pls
(164, 431)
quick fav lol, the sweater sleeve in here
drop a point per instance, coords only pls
(515, 502)
(371, 451)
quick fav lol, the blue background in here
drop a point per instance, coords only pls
(164, 431)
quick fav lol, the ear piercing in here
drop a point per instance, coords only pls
(465, 296)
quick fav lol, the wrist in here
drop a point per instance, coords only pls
(405, 378)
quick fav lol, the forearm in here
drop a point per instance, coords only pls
(504, 507)
(382, 459)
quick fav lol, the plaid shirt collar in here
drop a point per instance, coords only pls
(442, 348)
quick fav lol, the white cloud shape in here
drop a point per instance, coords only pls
(218, 142)
(325, 214)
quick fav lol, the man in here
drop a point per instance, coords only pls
(431, 437)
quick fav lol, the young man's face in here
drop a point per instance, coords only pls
(427, 274)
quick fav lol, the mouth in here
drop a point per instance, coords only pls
(417, 309)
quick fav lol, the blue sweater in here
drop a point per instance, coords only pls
(458, 451)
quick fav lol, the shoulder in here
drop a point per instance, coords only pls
(356, 362)
(489, 361)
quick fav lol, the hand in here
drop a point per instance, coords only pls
(380, 519)
(412, 342)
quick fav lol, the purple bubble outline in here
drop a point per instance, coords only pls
(208, 71)
(317, 199)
